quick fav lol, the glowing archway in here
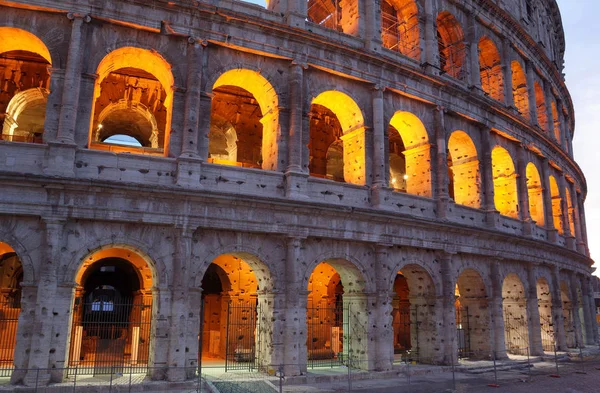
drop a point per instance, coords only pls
(536, 197)
(336, 117)
(556, 125)
(544, 296)
(557, 209)
(514, 304)
(13, 39)
(234, 83)
(490, 69)
(400, 27)
(451, 45)
(570, 210)
(414, 149)
(519, 89)
(464, 170)
(540, 103)
(505, 183)
(472, 315)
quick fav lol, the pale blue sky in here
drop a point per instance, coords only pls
(582, 69)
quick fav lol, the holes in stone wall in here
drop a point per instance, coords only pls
(490, 69)
(451, 45)
(400, 27)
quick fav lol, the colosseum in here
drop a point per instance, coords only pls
(312, 183)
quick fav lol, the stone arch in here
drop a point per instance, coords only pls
(540, 103)
(336, 116)
(472, 314)
(505, 183)
(544, 296)
(23, 102)
(451, 45)
(570, 210)
(11, 278)
(222, 141)
(17, 39)
(556, 124)
(535, 192)
(141, 83)
(490, 69)
(464, 170)
(568, 318)
(246, 85)
(409, 154)
(557, 208)
(514, 304)
(519, 89)
(9, 242)
(352, 267)
(400, 30)
(335, 15)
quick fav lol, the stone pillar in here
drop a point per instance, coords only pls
(360, 350)
(193, 329)
(472, 49)
(531, 93)
(379, 164)
(583, 224)
(523, 191)
(448, 327)
(22, 352)
(533, 315)
(579, 324)
(382, 313)
(295, 12)
(86, 105)
(295, 176)
(441, 164)
(588, 290)
(566, 219)
(496, 313)
(294, 340)
(560, 337)
(548, 99)
(43, 316)
(271, 329)
(204, 124)
(57, 78)
(509, 99)
(373, 40)
(189, 163)
(160, 344)
(547, 197)
(487, 177)
(577, 221)
(430, 56)
(589, 317)
(563, 124)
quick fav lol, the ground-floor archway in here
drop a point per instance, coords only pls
(112, 314)
(11, 276)
(544, 296)
(514, 304)
(473, 324)
(569, 322)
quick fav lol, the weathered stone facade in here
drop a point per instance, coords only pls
(422, 164)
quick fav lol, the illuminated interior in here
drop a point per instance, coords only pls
(337, 139)
(544, 296)
(535, 192)
(244, 121)
(463, 170)
(400, 27)
(340, 15)
(112, 311)
(556, 125)
(451, 45)
(540, 103)
(490, 69)
(570, 210)
(514, 304)
(519, 86)
(557, 210)
(133, 96)
(505, 183)
(11, 276)
(472, 315)
(24, 64)
(409, 155)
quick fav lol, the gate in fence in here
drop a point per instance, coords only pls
(327, 334)
(516, 333)
(9, 321)
(242, 345)
(547, 333)
(463, 331)
(108, 336)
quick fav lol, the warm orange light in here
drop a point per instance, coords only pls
(534, 190)
(465, 169)
(16, 39)
(557, 211)
(505, 183)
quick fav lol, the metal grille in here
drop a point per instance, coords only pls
(107, 336)
(547, 333)
(395, 33)
(406, 325)
(326, 340)
(463, 331)
(517, 333)
(242, 328)
(452, 58)
(9, 321)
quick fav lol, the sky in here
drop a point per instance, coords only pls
(582, 69)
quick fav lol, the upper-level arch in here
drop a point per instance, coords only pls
(505, 183)
(557, 208)
(337, 138)
(451, 45)
(519, 88)
(535, 193)
(463, 170)
(400, 29)
(335, 14)
(133, 96)
(490, 69)
(540, 103)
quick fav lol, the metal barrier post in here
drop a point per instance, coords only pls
(349, 376)
(582, 363)
(528, 365)
(408, 370)
(75, 379)
(111, 379)
(453, 374)
(37, 377)
(495, 384)
(281, 378)
(130, 373)
(556, 363)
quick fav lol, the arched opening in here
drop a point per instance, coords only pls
(11, 276)
(336, 120)
(400, 27)
(544, 296)
(410, 157)
(24, 64)
(112, 313)
(540, 103)
(336, 315)
(514, 304)
(490, 69)
(340, 15)
(519, 86)
(233, 300)
(464, 170)
(451, 45)
(244, 121)
(133, 96)
(536, 197)
(414, 315)
(556, 125)
(505, 183)
(557, 211)
(567, 310)
(570, 210)
(472, 316)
